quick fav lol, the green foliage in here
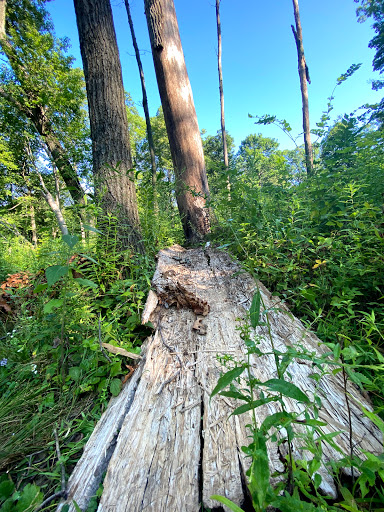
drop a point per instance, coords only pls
(39, 72)
(12, 500)
(300, 481)
(53, 373)
(374, 9)
(259, 163)
(214, 162)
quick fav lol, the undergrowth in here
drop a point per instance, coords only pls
(55, 377)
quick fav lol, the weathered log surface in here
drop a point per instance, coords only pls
(172, 446)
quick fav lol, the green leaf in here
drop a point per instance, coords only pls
(30, 497)
(70, 240)
(312, 423)
(75, 373)
(254, 312)
(226, 501)
(77, 508)
(314, 466)
(253, 405)
(52, 304)
(375, 419)
(91, 228)
(286, 389)
(336, 351)
(115, 387)
(349, 500)
(235, 394)
(115, 369)
(55, 272)
(276, 420)
(85, 282)
(40, 288)
(317, 480)
(6, 489)
(88, 258)
(259, 472)
(227, 378)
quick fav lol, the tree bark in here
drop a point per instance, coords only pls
(151, 144)
(33, 225)
(112, 162)
(221, 90)
(54, 205)
(164, 443)
(3, 6)
(180, 118)
(304, 77)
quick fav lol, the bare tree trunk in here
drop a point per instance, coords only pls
(145, 107)
(54, 206)
(33, 225)
(3, 6)
(222, 118)
(83, 234)
(304, 77)
(112, 161)
(57, 183)
(180, 118)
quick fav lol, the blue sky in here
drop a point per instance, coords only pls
(259, 59)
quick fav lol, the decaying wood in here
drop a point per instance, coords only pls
(304, 78)
(172, 446)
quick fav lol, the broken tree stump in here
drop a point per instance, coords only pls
(165, 445)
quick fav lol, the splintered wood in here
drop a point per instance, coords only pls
(172, 447)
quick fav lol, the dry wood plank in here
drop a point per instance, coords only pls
(176, 447)
(87, 475)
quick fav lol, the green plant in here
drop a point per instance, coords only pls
(299, 487)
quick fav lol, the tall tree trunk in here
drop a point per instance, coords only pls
(222, 118)
(54, 205)
(304, 77)
(145, 107)
(180, 118)
(112, 161)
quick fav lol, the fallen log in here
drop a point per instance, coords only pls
(164, 444)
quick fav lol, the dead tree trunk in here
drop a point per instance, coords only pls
(112, 162)
(151, 144)
(165, 445)
(180, 118)
(221, 90)
(304, 78)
